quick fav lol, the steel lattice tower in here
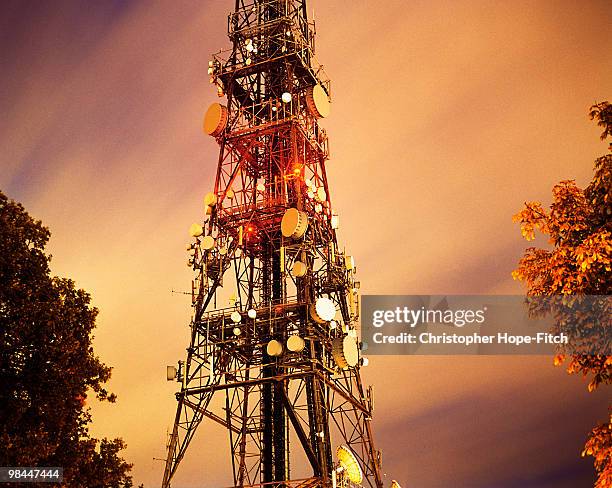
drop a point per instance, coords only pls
(285, 355)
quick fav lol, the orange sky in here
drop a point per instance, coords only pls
(446, 116)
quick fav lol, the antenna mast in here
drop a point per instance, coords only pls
(285, 355)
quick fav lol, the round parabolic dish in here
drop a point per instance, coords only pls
(295, 343)
(299, 269)
(323, 310)
(210, 200)
(317, 101)
(345, 352)
(321, 195)
(294, 223)
(235, 316)
(349, 462)
(208, 243)
(215, 119)
(195, 230)
(274, 348)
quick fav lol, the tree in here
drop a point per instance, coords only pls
(579, 227)
(47, 363)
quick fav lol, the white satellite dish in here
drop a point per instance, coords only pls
(294, 223)
(321, 194)
(235, 316)
(208, 243)
(323, 310)
(299, 269)
(210, 199)
(317, 101)
(196, 230)
(286, 97)
(350, 465)
(216, 118)
(171, 373)
(252, 313)
(345, 352)
(295, 343)
(274, 348)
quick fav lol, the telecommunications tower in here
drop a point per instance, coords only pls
(284, 356)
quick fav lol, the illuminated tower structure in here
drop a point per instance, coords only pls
(284, 355)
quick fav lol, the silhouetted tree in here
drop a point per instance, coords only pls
(579, 225)
(47, 363)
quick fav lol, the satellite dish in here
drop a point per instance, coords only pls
(208, 243)
(286, 97)
(210, 200)
(216, 119)
(171, 373)
(345, 352)
(237, 331)
(299, 269)
(321, 195)
(349, 464)
(261, 187)
(294, 223)
(230, 194)
(323, 310)
(317, 101)
(274, 348)
(252, 313)
(235, 316)
(295, 343)
(195, 230)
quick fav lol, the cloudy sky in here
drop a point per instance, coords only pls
(446, 117)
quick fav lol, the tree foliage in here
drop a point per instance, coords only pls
(47, 363)
(579, 227)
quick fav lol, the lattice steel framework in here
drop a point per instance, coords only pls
(272, 158)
